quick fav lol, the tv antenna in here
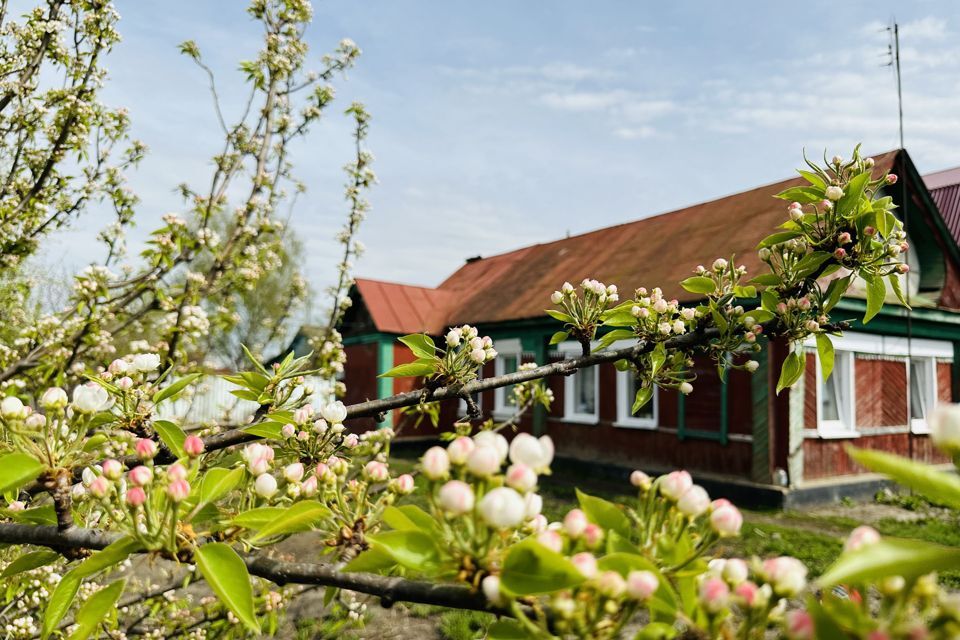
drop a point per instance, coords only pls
(893, 54)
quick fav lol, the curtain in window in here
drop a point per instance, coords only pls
(584, 392)
(919, 384)
(835, 405)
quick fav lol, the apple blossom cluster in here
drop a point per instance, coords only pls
(582, 313)
(466, 342)
(456, 363)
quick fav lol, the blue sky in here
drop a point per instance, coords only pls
(500, 124)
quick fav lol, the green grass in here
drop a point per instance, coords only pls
(942, 529)
(464, 625)
(816, 550)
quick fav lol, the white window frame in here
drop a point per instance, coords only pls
(571, 349)
(920, 425)
(846, 426)
(507, 347)
(863, 343)
(625, 417)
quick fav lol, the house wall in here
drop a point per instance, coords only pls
(882, 423)
(361, 379)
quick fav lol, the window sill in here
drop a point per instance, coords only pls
(919, 427)
(837, 434)
(623, 424)
(581, 419)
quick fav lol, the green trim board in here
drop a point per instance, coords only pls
(384, 364)
(719, 436)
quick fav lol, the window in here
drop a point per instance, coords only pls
(508, 360)
(923, 392)
(646, 417)
(836, 415)
(581, 401)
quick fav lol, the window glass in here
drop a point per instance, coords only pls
(835, 401)
(584, 392)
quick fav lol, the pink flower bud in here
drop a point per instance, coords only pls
(714, 594)
(178, 490)
(136, 496)
(309, 486)
(840, 253)
(456, 497)
(351, 441)
(903, 268)
(611, 584)
(491, 590)
(800, 625)
(675, 484)
(585, 563)
(293, 472)
(288, 431)
(726, 520)
(735, 570)
(747, 592)
(787, 576)
(435, 463)
(641, 585)
(193, 446)
(869, 231)
(112, 469)
(892, 178)
(781, 308)
(575, 523)
(592, 536)
(377, 471)
(258, 466)
(177, 472)
(141, 476)
(265, 485)
(794, 205)
(16, 505)
(640, 480)
(521, 477)
(861, 537)
(404, 484)
(551, 540)
(146, 449)
(459, 449)
(483, 461)
(303, 414)
(125, 383)
(694, 501)
(99, 487)
(844, 238)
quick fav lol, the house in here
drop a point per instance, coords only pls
(888, 375)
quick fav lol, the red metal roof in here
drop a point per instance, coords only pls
(403, 308)
(657, 251)
(944, 187)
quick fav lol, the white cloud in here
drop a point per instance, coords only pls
(635, 133)
(929, 28)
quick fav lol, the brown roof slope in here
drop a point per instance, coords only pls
(658, 251)
(944, 188)
(402, 308)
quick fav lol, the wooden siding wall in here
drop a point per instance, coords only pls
(361, 379)
(881, 414)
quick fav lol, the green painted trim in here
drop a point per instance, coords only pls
(681, 416)
(539, 413)
(760, 396)
(955, 373)
(697, 434)
(384, 364)
(368, 338)
(724, 414)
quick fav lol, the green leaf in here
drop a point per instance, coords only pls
(876, 292)
(421, 345)
(890, 557)
(604, 513)
(300, 517)
(112, 555)
(813, 178)
(560, 315)
(174, 389)
(96, 609)
(530, 568)
(745, 292)
(29, 562)
(850, 202)
(227, 575)
(835, 291)
(897, 289)
(410, 516)
(559, 336)
(17, 469)
(778, 237)
(38, 515)
(809, 263)
(256, 518)
(769, 301)
(412, 549)
(59, 603)
(791, 371)
(658, 358)
(612, 336)
(803, 195)
(171, 435)
(218, 482)
(939, 487)
(269, 430)
(825, 351)
(373, 560)
(767, 280)
(759, 315)
(644, 395)
(412, 369)
(699, 284)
